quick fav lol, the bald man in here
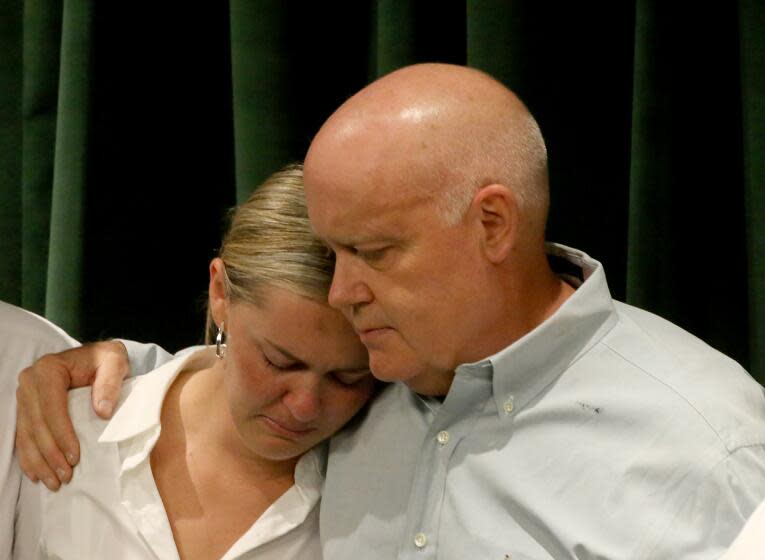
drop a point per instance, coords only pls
(537, 418)
(531, 416)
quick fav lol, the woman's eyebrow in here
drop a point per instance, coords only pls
(298, 361)
(284, 352)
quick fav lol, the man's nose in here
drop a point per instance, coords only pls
(348, 288)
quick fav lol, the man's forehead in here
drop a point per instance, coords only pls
(352, 224)
(357, 220)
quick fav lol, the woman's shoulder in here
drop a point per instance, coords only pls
(84, 418)
(140, 400)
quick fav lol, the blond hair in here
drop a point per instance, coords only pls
(269, 242)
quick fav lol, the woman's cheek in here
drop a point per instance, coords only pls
(246, 368)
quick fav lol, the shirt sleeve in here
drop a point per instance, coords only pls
(709, 520)
(147, 357)
(28, 520)
(24, 337)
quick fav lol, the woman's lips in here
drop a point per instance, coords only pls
(285, 429)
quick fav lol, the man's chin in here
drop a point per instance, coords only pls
(418, 379)
(435, 384)
(389, 370)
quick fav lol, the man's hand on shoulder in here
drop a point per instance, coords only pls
(46, 445)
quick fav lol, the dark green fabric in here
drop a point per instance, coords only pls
(575, 74)
(11, 219)
(65, 262)
(123, 137)
(41, 60)
(752, 52)
(687, 234)
(262, 129)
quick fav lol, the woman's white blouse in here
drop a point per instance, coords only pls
(112, 508)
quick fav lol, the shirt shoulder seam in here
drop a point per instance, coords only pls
(727, 448)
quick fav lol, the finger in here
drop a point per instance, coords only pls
(55, 435)
(25, 457)
(52, 455)
(42, 401)
(112, 368)
(32, 463)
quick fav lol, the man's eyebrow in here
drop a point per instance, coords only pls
(367, 240)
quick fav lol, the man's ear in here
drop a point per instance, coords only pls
(498, 212)
(218, 301)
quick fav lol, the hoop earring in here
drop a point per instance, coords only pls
(220, 341)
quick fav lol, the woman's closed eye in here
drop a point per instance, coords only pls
(351, 377)
(281, 364)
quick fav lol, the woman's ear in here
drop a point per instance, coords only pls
(498, 213)
(217, 291)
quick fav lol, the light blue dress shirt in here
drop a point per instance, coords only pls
(606, 432)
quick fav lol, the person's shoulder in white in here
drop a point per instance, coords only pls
(24, 337)
(114, 497)
(90, 496)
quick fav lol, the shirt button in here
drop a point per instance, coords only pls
(420, 540)
(443, 437)
(508, 406)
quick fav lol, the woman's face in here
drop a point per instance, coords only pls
(295, 372)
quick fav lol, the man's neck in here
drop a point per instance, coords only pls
(547, 298)
(432, 383)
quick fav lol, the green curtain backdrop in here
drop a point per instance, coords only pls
(125, 134)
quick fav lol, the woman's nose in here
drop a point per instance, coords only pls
(303, 399)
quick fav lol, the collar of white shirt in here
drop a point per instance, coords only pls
(135, 428)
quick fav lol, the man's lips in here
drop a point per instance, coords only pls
(372, 334)
(286, 429)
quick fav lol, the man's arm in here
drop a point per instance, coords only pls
(46, 445)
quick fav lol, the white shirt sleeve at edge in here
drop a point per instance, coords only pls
(750, 543)
(146, 357)
(24, 337)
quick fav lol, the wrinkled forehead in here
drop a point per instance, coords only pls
(354, 216)
(377, 175)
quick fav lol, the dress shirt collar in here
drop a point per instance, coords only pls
(522, 370)
(142, 408)
(291, 509)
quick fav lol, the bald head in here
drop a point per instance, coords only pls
(448, 129)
